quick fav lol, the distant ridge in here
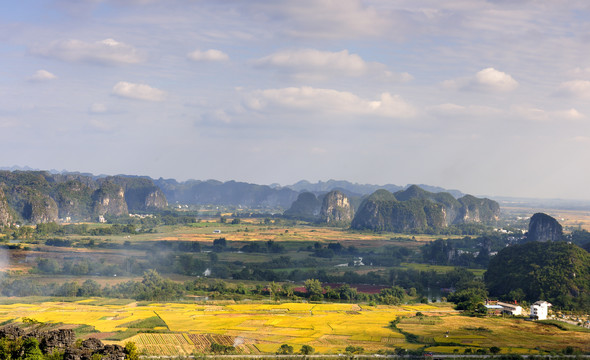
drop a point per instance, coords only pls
(290, 192)
(362, 189)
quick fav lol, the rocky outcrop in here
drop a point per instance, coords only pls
(543, 227)
(5, 216)
(93, 348)
(140, 192)
(336, 209)
(60, 340)
(226, 193)
(307, 207)
(49, 341)
(37, 196)
(74, 199)
(475, 210)
(32, 205)
(415, 209)
(63, 340)
(155, 199)
(109, 200)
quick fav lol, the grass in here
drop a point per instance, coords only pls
(149, 323)
(440, 269)
(83, 330)
(122, 335)
(501, 332)
(562, 325)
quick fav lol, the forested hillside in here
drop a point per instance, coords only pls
(557, 272)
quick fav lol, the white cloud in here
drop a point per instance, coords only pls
(104, 52)
(486, 80)
(98, 108)
(138, 91)
(316, 60)
(535, 114)
(316, 63)
(575, 88)
(42, 75)
(530, 113)
(571, 114)
(216, 117)
(454, 110)
(208, 55)
(494, 80)
(308, 99)
(347, 18)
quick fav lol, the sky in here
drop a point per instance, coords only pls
(488, 97)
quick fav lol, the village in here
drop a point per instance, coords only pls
(537, 311)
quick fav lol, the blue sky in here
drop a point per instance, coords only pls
(489, 97)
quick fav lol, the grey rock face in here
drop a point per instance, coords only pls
(543, 227)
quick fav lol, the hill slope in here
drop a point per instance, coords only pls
(557, 272)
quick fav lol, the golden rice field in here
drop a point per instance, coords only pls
(255, 328)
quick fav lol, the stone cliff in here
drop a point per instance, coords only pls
(307, 207)
(415, 209)
(140, 192)
(109, 200)
(5, 216)
(38, 197)
(543, 227)
(336, 209)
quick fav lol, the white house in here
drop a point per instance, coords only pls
(511, 309)
(539, 310)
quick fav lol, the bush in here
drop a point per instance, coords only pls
(285, 349)
(306, 350)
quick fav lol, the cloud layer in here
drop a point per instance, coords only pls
(208, 55)
(42, 75)
(309, 99)
(433, 87)
(138, 91)
(313, 63)
(104, 52)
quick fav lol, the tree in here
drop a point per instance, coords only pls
(219, 245)
(131, 352)
(306, 350)
(495, 350)
(89, 288)
(275, 290)
(314, 289)
(221, 349)
(48, 266)
(285, 349)
(31, 349)
(355, 349)
(392, 296)
(470, 300)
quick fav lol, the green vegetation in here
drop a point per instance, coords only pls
(417, 210)
(148, 323)
(557, 272)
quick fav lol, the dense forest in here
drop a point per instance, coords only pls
(557, 272)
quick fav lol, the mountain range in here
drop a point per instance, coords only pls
(43, 196)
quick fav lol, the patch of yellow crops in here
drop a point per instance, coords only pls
(101, 317)
(420, 307)
(329, 328)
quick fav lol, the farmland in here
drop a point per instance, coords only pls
(255, 328)
(233, 307)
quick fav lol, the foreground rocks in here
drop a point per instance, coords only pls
(64, 341)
